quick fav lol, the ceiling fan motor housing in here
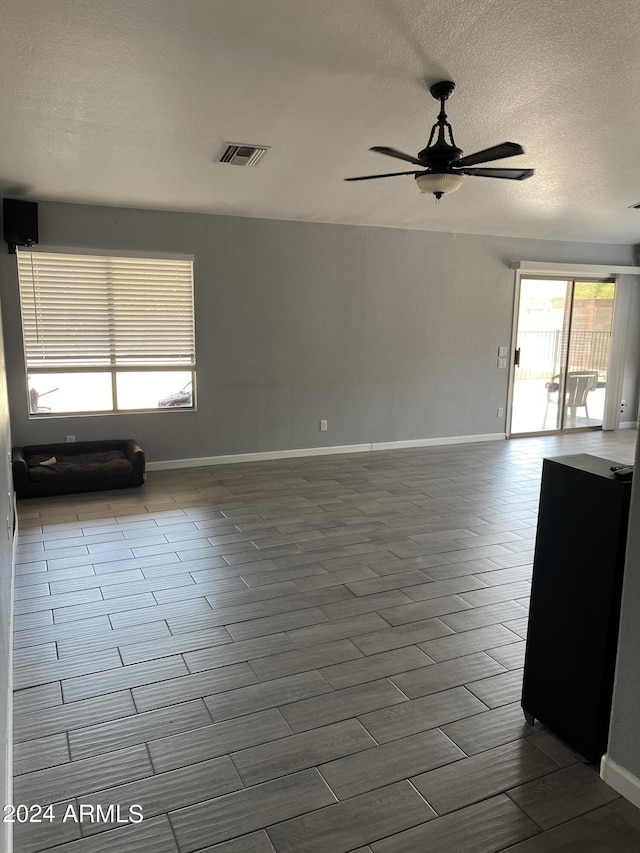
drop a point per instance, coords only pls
(441, 155)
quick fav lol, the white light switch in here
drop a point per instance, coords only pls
(502, 363)
(502, 351)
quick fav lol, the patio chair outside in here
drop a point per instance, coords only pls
(578, 385)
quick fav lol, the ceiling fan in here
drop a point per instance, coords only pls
(442, 166)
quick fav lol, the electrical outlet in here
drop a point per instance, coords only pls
(500, 412)
(323, 426)
(71, 439)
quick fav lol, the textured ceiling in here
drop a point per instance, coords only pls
(130, 103)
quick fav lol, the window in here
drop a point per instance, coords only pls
(106, 333)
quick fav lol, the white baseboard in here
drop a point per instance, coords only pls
(201, 461)
(436, 442)
(628, 425)
(621, 780)
(232, 458)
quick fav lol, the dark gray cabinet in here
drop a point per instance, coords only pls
(575, 600)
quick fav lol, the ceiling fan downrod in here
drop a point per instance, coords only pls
(440, 154)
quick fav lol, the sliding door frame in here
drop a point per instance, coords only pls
(619, 330)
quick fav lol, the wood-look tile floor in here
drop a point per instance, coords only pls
(314, 655)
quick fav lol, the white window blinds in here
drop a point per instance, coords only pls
(86, 310)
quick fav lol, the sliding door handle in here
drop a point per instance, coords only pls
(516, 358)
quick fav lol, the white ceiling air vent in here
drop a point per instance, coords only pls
(240, 154)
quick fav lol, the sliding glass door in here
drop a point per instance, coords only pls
(562, 354)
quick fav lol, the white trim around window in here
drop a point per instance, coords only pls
(106, 332)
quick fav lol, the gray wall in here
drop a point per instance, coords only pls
(6, 583)
(624, 739)
(388, 334)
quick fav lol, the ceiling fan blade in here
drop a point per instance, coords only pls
(509, 174)
(399, 155)
(496, 152)
(388, 175)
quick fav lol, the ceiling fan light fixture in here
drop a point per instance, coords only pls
(439, 183)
